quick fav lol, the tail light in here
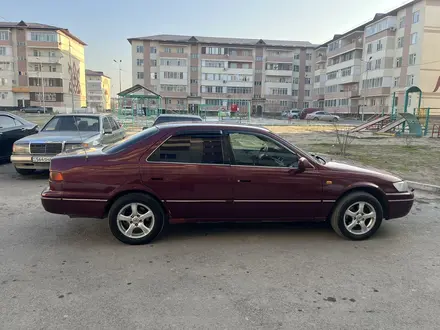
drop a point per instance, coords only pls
(56, 176)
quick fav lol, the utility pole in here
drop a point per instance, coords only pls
(120, 81)
(42, 85)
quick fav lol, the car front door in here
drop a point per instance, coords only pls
(188, 171)
(116, 131)
(267, 185)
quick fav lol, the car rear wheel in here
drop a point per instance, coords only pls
(25, 171)
(136, 219)
(357, 216)
(335, 120)
(316, 118)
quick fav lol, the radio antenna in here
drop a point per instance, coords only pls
(80, 136)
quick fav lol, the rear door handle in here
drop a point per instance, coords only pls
(243, 181)
(157, 179)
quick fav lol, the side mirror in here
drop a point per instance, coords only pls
(107, 131)
(303, 164)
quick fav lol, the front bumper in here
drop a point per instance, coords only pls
(27, 161)
(56, 202)
(399, 204)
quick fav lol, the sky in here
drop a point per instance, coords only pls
(106, 25)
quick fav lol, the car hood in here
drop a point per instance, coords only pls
(68, 136)
(383, 175)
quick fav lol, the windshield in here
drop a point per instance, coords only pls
(72, 123)
(123, 144)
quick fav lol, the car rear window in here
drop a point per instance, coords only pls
(169, 119)
(128, 142)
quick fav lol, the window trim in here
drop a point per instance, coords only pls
(226, 162)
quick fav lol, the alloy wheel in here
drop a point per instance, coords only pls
(359, 218)
(135, 220)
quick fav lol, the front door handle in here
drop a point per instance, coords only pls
(157, 179)
(244, 181)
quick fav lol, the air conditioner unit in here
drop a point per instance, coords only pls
(392, 29)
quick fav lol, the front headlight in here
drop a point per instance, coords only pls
(73, 146)
(401, 186)
(20, 148)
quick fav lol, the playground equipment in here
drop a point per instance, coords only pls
(231, 109)
(434, 127)
(409, 124)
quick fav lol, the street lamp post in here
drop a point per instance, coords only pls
(120, 83)
(366, 89)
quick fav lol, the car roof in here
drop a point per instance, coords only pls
(178, 116)
(81, 114)
(189, 125)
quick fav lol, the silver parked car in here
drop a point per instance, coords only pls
(322, 115)
(64, 133)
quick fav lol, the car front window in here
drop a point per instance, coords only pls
(72, 123)
(258, 150)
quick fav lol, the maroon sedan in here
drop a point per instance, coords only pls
(191, 172)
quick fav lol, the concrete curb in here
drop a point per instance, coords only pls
(424, 186)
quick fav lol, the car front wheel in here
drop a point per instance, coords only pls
(316, 118)
(357, 216)
(136, 219)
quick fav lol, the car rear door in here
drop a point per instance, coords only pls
(189, 172)
(11, 130)
(266, 186)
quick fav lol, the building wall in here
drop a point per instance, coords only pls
(106, 89)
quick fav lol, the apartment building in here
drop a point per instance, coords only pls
(366, 66)
(189, 71)
(98, 88)
(36, 60)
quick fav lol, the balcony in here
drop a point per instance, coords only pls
(379, 91)
(279, 59)
(344, 49)
(317, 97)
(321, 59)
(43, 59)
(173, 55)
(240, 58)
(284, 73)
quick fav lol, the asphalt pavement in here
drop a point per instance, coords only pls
(61, 273)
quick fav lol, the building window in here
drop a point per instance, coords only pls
(279, 66)
(194, 55)
(369, 48)
(402, 22)
(4, 35)
(296, 80)
(317, 79)
(173, 88)
(332, 75)
(2, 51)
(308, 56)
(307, 81)
(308, 68)
(410, 80)
(153, 50)
(173, 75)
(139, 62)
(307, 92)
(416, 17)
(153, 62)
(396, 81)
(398, 62)
(172, 62)
(346, 72)
(194, 81)
(294, 92)
(139, 49)
(180, 50)
(140, 75)
(379, 45)
(259, 58)
(414, 38)
(44, 36)
(412, 59)
(378, 64)
(400, 42)
(278, 91)
(194, 69)
(167, 50)
(296, 56)
(257, 83)
(296, 68)
(153, 75)
(306, 105)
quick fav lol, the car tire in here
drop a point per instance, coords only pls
(316, 118)
(156, 224)
(335, 120)
(345, 213)
(24, 171)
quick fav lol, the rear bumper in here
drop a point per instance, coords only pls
(399, 204)
(55, 202)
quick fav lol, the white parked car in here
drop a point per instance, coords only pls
(323, 116)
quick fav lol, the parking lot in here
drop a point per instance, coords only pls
(61, 273)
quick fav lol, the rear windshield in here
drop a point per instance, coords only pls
(128, 142)
(167, 119)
